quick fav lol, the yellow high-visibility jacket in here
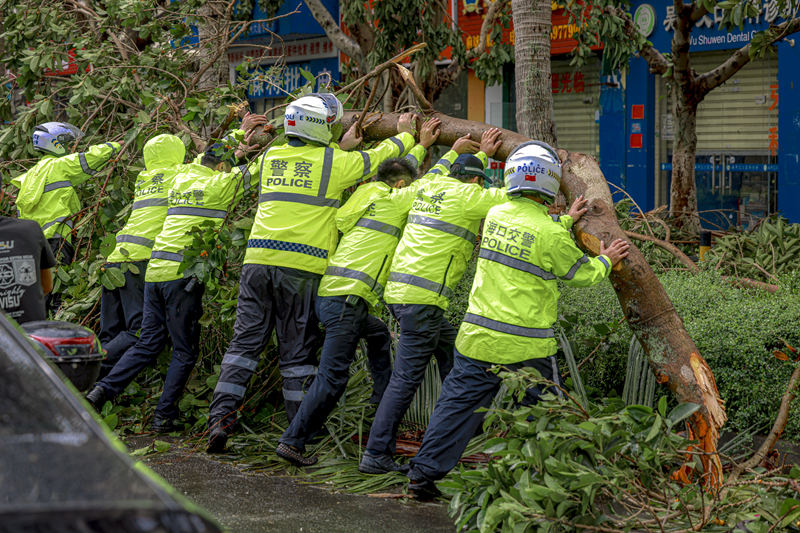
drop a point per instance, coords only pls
(372, 222)
(438, 240)
(301, 188)
(513, 301)
(198, 194)
(163, 160)
(46, 192)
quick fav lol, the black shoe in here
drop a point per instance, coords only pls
(164, 425)
(217, 440)
(380, 464)
(424, 489)
(294, 456)
(97, 397)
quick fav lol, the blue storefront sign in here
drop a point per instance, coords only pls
(706, 34)
(302, 46)
(290, 78)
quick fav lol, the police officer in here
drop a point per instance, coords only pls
(121, 308)
(512, 306)
(437, 244)
(173, 303)
(372, 222)
(46, 190)
(293, 234)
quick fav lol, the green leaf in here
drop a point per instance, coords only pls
(111, 421)
(114, 276)
(662, 406)
(161, 446)
(139, 452)
(308, 76)
(681, 412)
(656, 427)
(143, 117)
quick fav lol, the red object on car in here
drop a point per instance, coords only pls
(74, 349)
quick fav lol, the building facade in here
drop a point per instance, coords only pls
(281, 53)
(748, 150)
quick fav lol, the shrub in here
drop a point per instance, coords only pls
(736, 331)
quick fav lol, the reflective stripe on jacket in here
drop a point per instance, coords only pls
(372, 222)
(513, 301)
(163, 160)
(438, 240)
(301, 187)
(198, 194)
(46, 192)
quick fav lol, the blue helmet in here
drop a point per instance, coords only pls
(55, 137)
(535, 167)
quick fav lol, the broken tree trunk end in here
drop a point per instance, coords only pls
(673, 355)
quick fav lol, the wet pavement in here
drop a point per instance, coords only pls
(245, 502)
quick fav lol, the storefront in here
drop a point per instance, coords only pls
(280, 65)
(748, 129)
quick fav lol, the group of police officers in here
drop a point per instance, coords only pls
(405, 241)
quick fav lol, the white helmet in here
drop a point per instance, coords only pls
(311, 117)
(55, 137)
(533, 166)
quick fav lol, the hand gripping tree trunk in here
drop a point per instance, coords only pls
(673, 355)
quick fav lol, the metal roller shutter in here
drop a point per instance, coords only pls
(734, 117)
(576, 101)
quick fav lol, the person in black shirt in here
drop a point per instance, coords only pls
(25, 263)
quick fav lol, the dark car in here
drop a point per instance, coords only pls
(61, 471)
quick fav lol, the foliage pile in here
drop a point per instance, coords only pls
(767, 252)
(606, 467)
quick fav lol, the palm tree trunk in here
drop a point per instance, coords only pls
(532, 23)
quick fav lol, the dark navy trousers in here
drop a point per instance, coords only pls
(170, 308)
(121, 313)
(379, 356)
(345, 320)
(64, 254)
(424, 332)
(270, 298)
(469, 386)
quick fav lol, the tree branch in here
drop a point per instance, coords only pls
(698, 12)
(655, 59)
(722, 73)
(343, 42)
(777, 427)
(671, 248)
(491, 14)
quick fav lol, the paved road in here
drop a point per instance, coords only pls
(246, 502)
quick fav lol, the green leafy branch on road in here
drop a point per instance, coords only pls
(606, 467)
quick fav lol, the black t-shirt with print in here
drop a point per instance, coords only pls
(23, 253)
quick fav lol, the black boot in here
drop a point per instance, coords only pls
(97, 397)
(217, 439)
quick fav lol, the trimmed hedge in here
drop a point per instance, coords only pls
(736, 331)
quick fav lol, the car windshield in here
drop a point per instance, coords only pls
(50, 452)
(28, 404)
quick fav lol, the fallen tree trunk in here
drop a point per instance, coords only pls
(673, 355)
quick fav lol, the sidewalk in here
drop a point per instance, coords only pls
(246, 502)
